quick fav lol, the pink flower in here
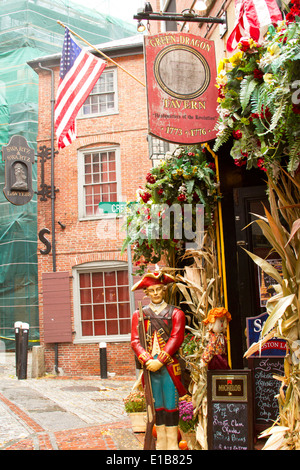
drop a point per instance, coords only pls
(220, 92)
(150, 178)
(261, 164)
(145, 197)
(240, 162)
(244, 45)
(237, 134)
(258, 74)
(296, 109)
(195, 197)
(181, 197)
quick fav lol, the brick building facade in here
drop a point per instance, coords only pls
(108, 161)
(112, 145)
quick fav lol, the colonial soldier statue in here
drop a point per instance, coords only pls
(164, 327)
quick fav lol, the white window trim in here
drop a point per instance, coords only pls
(81, 201)
(87, 267)
(115, 110)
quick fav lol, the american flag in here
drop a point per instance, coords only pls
(79, 71)
(252, 18)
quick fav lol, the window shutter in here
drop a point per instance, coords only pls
(57, 307)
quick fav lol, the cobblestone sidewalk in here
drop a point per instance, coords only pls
(63, 413)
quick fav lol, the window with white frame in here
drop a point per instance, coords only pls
(103, 98)
(102, 302)
(98, 179)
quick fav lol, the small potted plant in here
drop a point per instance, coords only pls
(187, 422)
(135, 406)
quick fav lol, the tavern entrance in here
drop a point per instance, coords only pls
(254, 286)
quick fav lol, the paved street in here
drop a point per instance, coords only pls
(63, 413)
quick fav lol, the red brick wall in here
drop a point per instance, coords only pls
(84, 360)
(78, 242)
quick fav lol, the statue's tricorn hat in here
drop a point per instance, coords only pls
(151, 279)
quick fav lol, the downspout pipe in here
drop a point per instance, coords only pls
(52, 189)
(52, 168)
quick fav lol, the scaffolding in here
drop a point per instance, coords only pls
(28, 30)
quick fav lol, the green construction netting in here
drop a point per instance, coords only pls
(28, 30)
(34, 23)
(18, 224)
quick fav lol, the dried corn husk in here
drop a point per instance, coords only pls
(200, 288)
(284, 307)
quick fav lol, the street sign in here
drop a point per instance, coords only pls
(275, 347)
(115, 208)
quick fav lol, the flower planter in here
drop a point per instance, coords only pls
(190, 438)
(138, 421)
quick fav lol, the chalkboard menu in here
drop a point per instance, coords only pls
(266, 388)
(230, 405)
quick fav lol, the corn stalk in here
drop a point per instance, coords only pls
(281, 227)
(200, 289)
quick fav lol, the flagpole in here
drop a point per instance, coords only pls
(102, 53)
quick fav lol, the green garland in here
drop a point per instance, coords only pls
(184, 178)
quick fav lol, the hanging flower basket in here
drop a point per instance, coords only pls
(185, 179)
(259, 99)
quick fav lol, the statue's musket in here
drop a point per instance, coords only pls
(149, 442)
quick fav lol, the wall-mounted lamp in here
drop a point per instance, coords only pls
(141, 27)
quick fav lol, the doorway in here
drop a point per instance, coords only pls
(254, 287)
